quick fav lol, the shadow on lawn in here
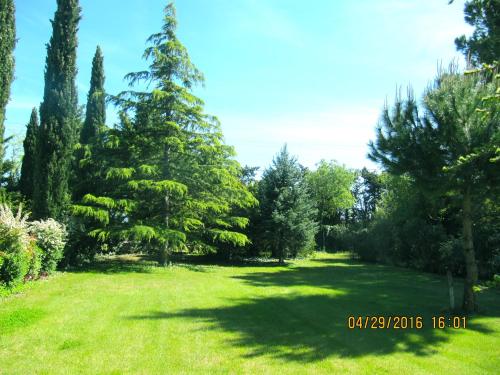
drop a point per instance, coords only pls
(119, 264)
(183, 259)
(309, 328)
(146, 264)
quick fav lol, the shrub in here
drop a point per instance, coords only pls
(51, 238)
(13, 229)
(15, 267)
(35, 261)
(15, 242)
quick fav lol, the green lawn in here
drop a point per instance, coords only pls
(134, 319)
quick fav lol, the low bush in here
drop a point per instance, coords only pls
(14, 243)
(15, 267)
(35, 262)
(27, 249)
(51, 239)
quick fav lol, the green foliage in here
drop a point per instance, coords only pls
(449, 148)
(59, 116)
(331, 186)
(85, 169)
(51, 239)
(14, 244)
(26, 249)
(95, 115)
(407, 229)
(287, 212)
(165, 176)
(35, 263)
(26, 184)
(367, 191)
(7, 44)
(483, 46)
(15, 267)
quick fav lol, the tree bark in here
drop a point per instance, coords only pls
(324, 235)
(469, 302)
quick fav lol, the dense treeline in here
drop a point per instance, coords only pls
(162, 180)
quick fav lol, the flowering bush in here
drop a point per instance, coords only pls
(15, 245)
(13, 229)
(51, 238)
(26, 249)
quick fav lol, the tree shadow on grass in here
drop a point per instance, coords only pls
(308, 328)
(119, 264)
(211, 260)
(141, 263)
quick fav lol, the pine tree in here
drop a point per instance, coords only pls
(287, 210)
(167, 180)
(449, 147)
(483, 46)
(59, 122)
(26, 184)
(7, 44)
(95, 116)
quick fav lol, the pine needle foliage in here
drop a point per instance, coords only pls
(449, 144)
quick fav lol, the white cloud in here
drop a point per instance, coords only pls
(341, 134)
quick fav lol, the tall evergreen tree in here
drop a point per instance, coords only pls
(93, 125)
(7, 44)
(451, 147)
(483, 46)
(26, 184)
(287, 210)
(167, 179)
(95, 116)
(59, 123)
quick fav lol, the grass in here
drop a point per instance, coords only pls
(124, 316)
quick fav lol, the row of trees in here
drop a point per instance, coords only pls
(162, 180)
(439, 204)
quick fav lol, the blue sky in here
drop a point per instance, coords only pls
(314, 74)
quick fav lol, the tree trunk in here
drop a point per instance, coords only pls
(323, 234)
(281, 258)
(164, 255)
(469, 302)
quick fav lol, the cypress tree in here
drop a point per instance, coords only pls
(93, 125)
(95, 115)
(58, 115)
(26, 184)
(7, 44)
